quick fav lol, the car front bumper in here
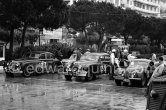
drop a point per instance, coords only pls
(80, 73)
(12, 72)
(138, 79)
(118, 77)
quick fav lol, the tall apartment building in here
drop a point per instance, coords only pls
(147, 8)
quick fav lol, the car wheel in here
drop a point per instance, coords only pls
(9, 74)
(89, 78)
(143, 83)
(133, 83)
(68, 77)
(125, 84)
(28, 70)
(118, 82)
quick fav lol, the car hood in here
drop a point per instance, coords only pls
(85, 62)
(133, 69)
(67, 60)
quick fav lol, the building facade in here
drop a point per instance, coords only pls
(147, 8)
(163, 15)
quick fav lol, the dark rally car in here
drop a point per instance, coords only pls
(89, 66)
(36, 62)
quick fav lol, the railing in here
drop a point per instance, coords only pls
(149, 3)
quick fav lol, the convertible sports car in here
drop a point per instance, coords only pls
(37, 62)
(89, 66)
(135, 73)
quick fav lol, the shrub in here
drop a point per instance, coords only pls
(57, 49)
(145, 49)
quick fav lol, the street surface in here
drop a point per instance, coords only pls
(52, 92)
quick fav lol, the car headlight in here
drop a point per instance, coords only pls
(75, 69)
(15, 66)
(85, 68)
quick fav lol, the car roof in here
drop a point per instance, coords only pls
(146, 60)
(40, 52)
(95, 53)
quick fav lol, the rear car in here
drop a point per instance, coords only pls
(37, 62)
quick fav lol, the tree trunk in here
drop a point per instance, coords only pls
(23, 36)
(100, 41)
(11, 39)
(126, 39)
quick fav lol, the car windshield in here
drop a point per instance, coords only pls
(138, 63)
(34, 55)
(89, 57)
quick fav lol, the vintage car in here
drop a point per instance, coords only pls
(36, 62)
(134, 74)
(67, 64)
(89, 66)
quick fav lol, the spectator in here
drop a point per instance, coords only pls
(150, 70)
(154, 57)
(87, 51)
(158, 71)
(112, 56)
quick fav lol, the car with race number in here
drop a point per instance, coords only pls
(134, 74)
(36, 62)
(89, 66)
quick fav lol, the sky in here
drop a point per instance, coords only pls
(163, 5)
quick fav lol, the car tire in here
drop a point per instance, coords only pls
(26, 73)
(143, 81)
(68, 77)
(125, 84)
(118, 82)
(9, 74)
(87, 78)
(132, 83)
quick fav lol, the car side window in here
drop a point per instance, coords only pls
(51, 56)
(42, 56)
(48, 56)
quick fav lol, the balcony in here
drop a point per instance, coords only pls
(148, 3)
(145, 11)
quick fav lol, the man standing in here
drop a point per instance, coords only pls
(87, 51)
(158, 71)
(112, 60)
(154, 57)
(112, 56)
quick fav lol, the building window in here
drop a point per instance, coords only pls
(135, 3)
(147, 7)
(128, 2)
(143, 6)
